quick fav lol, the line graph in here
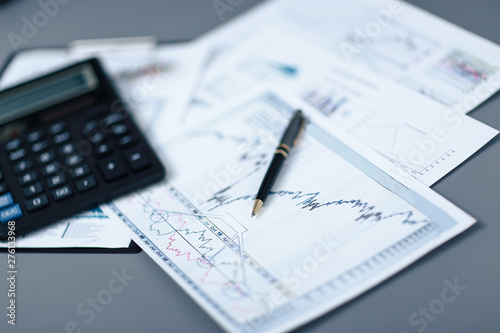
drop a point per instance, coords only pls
(213, 242)
(427, 150)
(200, 239)
(257, 161)
(94, 213)
(396, 46)
(309, 201)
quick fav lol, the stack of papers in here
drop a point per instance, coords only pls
(386, 88)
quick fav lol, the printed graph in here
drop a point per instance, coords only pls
(395, 46)
(462, 70)
(206, 234)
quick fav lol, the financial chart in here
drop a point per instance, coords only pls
(326, 229)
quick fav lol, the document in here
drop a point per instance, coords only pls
(398, 40)
(419, 135)
(338, 221)
(90, 229)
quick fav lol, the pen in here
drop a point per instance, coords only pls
(288, 140)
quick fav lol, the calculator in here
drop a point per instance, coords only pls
(68, 142)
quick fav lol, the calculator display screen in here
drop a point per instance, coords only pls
(46, 92)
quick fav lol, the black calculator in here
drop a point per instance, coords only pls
(68, 143)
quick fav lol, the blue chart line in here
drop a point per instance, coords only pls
(285, 70)
(94, 213)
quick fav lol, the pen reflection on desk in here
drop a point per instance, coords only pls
(288, 140)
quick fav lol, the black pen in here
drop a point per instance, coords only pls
(288, 140)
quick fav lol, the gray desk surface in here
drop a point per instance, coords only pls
(51, 286)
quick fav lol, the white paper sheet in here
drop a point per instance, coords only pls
(396, 39)
(334, 225)
(419, 135)
(89, 229)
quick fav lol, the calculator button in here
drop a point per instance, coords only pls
(62, 193)
(96, 138)
(32, 189)
(126, 141)
(104, 149)
(50, 169)
(137, 159)
(36, 203)
(34, 136)
(13, 144)
(56, 181)
(45, 157)
(27, 178)
(73, 160)
(85, 184)
(61, 138)
(119, 129)
(67, 148)
(80, 171)
(90, 126)
(6, 200)
(56, 128)
(3, 188)
(10, 213)
(22, 166)
(18, 154)
(39, 146)
(112, 168)
(113, 118)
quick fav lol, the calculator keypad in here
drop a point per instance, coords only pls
(63, 159)
(50, 167)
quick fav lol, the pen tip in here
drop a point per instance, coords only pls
(256, 206)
